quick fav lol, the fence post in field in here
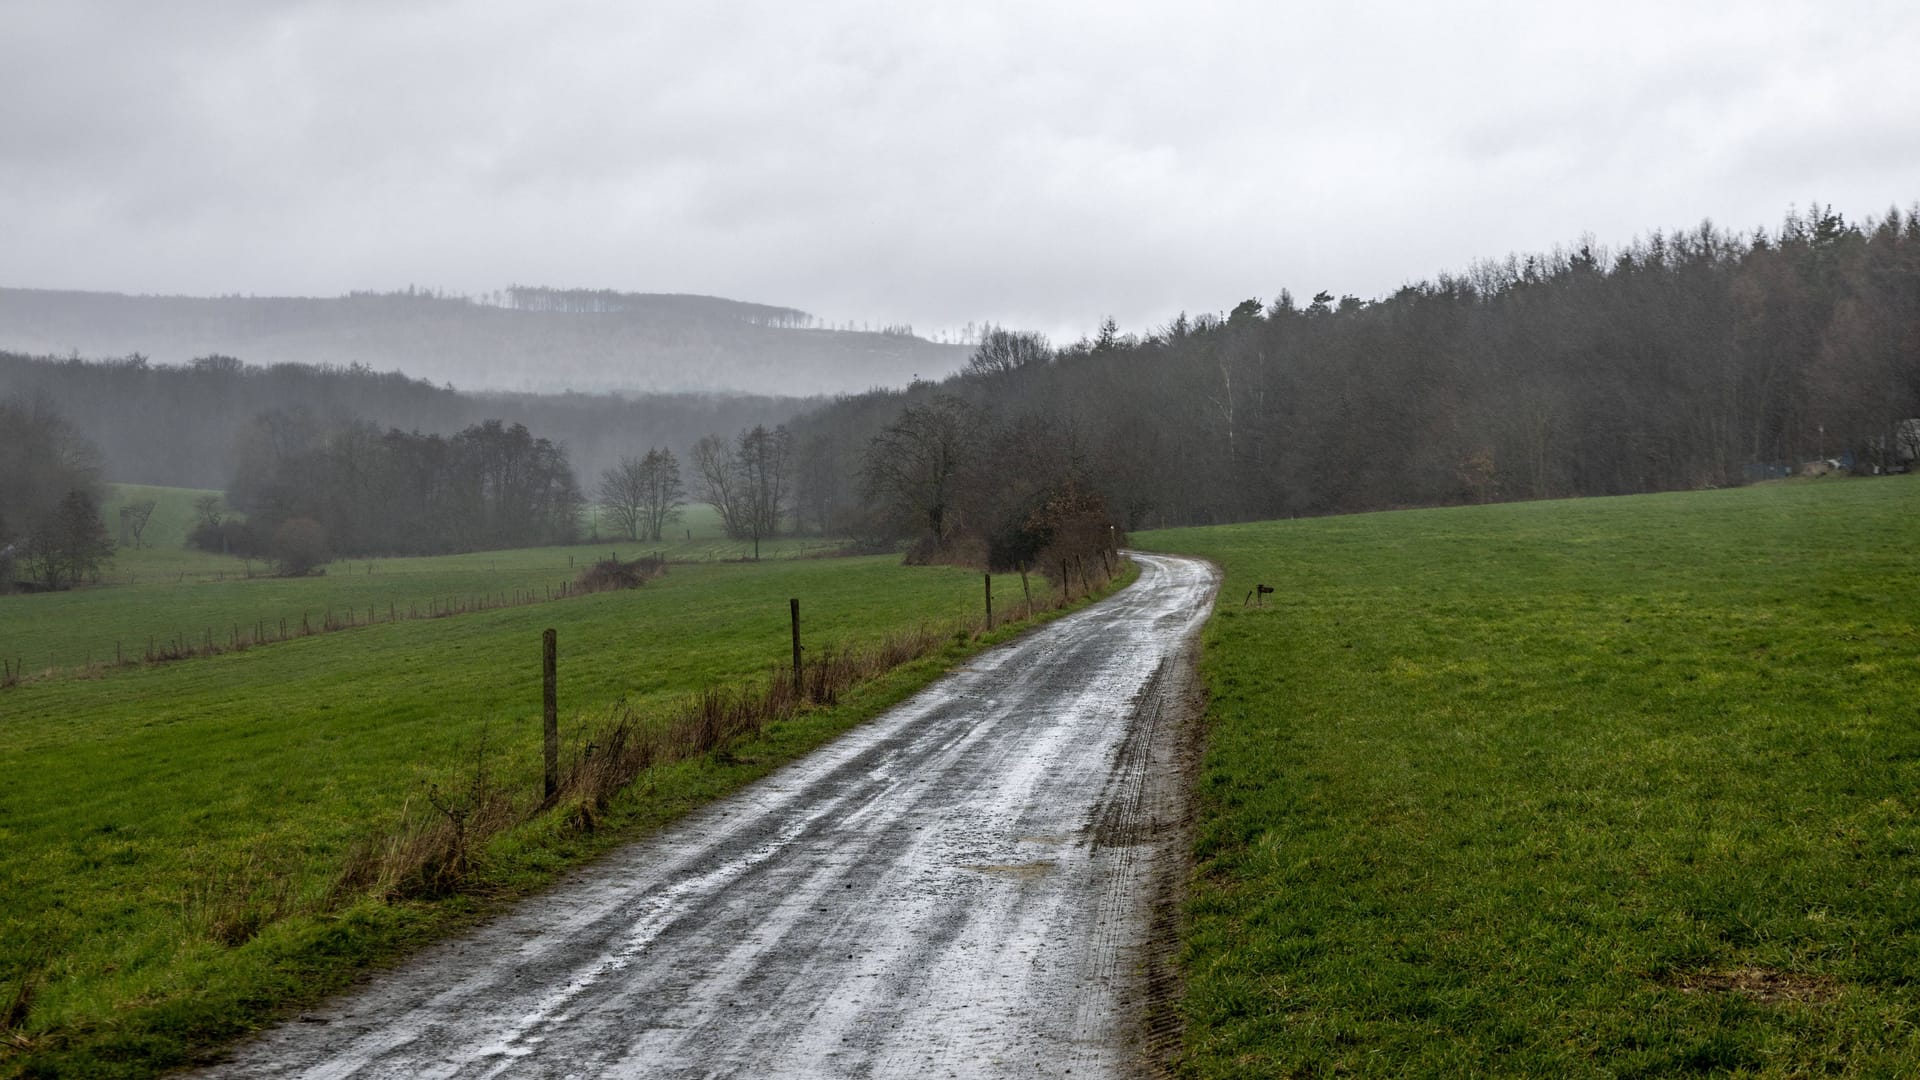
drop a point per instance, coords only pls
(987, 578)
(793, 607)
(550, 707)
(1025, 591)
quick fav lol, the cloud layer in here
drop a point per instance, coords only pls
(1038, 164)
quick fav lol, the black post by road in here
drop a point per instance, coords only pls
(550, 708)
(793, 606)
(988, 579)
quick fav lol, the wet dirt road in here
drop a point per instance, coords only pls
(964, 887)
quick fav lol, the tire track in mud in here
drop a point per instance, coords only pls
(979, 883)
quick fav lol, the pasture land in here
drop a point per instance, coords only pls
(172, 836)
(162, 596)
(1614, 787)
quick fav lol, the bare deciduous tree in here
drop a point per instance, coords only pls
(914, 468)
(1008, 350)
(133, 520)
(747, 482)
(716, 480)
(662, 493)
(623, 493)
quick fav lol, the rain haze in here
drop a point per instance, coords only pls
(979, 540)
(1037, 165)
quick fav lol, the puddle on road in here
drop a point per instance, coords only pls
(1040, 838)
(1022, 870)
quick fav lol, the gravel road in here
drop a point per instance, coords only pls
(965, 887)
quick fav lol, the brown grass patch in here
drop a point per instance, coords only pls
(1761, 984)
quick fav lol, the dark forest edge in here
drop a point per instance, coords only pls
(1701, 358)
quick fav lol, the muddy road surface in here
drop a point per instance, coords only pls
(965, 887)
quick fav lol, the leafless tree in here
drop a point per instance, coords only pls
(748, 482)
(662, 493)
(716, 480)
(133, 520)
(1008, 350)
(914, 468)
(623, 493)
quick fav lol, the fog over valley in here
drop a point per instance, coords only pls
(520, 339)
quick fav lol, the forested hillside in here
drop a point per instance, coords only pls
(520, 339)
(1693, 359)
(180, 425)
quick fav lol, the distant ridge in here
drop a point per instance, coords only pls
(518, 339)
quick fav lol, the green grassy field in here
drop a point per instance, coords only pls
(142, 804)
(1617, 787)
(162, 592)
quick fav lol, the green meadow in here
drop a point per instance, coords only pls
(1614, 787)
(161, 593)
(144, 805)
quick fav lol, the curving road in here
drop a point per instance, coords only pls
(964, 887)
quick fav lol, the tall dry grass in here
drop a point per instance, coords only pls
(627, 743)
(438, 846)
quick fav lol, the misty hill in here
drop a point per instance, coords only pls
(178, 425)
(521, 339)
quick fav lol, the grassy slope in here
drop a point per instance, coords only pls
(140, 801)
(1612, 787)
(162, 591)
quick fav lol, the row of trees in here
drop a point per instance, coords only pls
(51, 532)
(1690, 359)
(492, 485)
(747, 480)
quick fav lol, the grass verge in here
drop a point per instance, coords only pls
(1619, 787)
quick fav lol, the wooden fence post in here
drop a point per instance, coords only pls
(550, 708)
(988, 579)
(1025, 591)
(793, 607)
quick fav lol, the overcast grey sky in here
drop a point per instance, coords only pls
(1037, 164)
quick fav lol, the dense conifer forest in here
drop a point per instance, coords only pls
(1685, 360)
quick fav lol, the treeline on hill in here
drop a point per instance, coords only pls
(311, 489)
(523, 337)
(1686, 360)
(179, 426)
